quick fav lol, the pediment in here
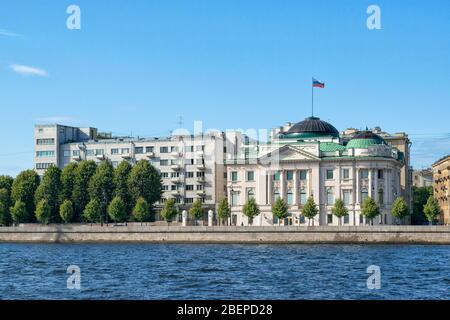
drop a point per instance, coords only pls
(287, 154)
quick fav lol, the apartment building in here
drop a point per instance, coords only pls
(441, 186)
(423, 178)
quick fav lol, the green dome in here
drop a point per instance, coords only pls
(365, 139)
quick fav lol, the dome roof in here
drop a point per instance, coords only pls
(313, 126)
(364, 139)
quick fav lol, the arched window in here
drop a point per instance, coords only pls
(250, 193)
(364, 195)
(303, 196)
(276, 194)
(381, 196)
(290, 197)
(330, 196)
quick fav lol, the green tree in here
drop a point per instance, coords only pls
(80, 196)
(251, 210)
(5, 204)
(121, 176)
(432, 209)
(43, 212)
(19, 212)
(224, 211)
(196, 211)
(280, 210)
(145, 181)
(101, 187)
(49, 189)
(66, 211)
(339, 210)
(310, 209)
(6, 182)
(369, 209)
(68, 175)
(400, 208)
(169, 211)
(117, 210)
(141, 211)
(420, 198)
(23, 190)
(92, 212)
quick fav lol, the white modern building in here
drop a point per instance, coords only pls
(191, 166)
(310, 158)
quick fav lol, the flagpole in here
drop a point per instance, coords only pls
(312, 98)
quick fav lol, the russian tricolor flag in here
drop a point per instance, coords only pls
(318, 84)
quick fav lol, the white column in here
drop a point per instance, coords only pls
(210, 218)
(282, 185)
(184, 217)
(371, 183)
(269, 188)
(296, 195)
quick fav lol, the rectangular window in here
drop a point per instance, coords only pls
(200, 174)
(330, 196)
(250, 176)
(234, 176)
(125, 150)
(189, 148)
(175, 175)
(289, 175)
(50, 141)
(99, 152)
(189, 187)
(164, 149)
(173, 149)
(76, 153)
(139, 150)
(114, 151)
(290, 198)
(346, 194)
(364, 174)
(164, 162)
(330, 174)
(346, 174)
(173, 187)
(303, 175)
(165, 188)
(199, 187)
(277, 176)
(346, 219)
(67, 153)
(43, 166)
(189, 174)
(303, 197)
(329, 218)
(364, 195)
(164, 174)
(189, 200)
(380, 174)
(361, 219)
(149, 149)
(234, 198)
(45, 154)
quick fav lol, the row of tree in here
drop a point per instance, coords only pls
(369, 209)
(81, 191)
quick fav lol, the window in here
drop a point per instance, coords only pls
(41, 142)
(67, 153)
(302, 219)
(99, 152)
(173, 149)
(250, 193)
(114, 151)
(173, 187)
(290, 197)
(346, 219)
(330, 174)
(250, 176)
(164, 174)
(364, 174)
(380, 174)
(234, 176)
(189, 174)
(346, 174)
(330, 196)
(45, 154)
(277, 176)
(303, 197)
(189, 148)
(76, 153)
(200, 187)
(189, 200)
(200, 174)
(43, 166)
(289, 175)
(346, 194)
(276, 195)
(164, 149)
(329, 218)
(234, 198)
(175, 175)
(364, 195)
(149, 149)
(303, 175)
(139, 150)
(125, 150)
(361, 219)
(164, 162)
(189, 187)
(380, 196)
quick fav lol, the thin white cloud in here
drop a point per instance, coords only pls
(28, 71)
(7, 33)
(57, 119)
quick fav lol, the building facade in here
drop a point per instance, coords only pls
(311, 159)
(191, 166)
(441, 187)
(423, 178)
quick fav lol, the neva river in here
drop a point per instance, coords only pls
(145, 271)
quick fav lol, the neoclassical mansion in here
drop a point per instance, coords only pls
(310, 158)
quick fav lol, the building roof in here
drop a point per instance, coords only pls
(312, 126)
(331, 147)
(364, 139)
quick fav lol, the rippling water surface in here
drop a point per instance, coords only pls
(145, 271)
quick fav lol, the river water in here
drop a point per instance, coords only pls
(182, 271)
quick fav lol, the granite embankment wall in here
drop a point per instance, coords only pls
(251, 235)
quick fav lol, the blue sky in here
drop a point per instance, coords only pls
(136, 65)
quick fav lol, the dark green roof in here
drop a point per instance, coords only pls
(331, 147)
(364, 139)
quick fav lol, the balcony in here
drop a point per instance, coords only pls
(201, 193)
(176, 193)
(150, 155)
(100, 157)
(201, 167)
(177, 167)
(126, 155)
(76, 158)
(200, 179)
(176, 180)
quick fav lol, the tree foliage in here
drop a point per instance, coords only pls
(117, 210)
(43, 211)
(101, 186)
(169, 211)
(251, 210)
(142, 210)
(5, 204)
(19, 212)
(370, 209)
(68, 175)
(310, 209)
(80, 196)
(49, 190)
(432, 209)
(22, 191)
(280, 209)
(145, 181)
(92, 212)
(420, 198)
(400, 208)
(339, 209)
(6, 182)
(121, 176)
(66, 211)
(196, 211)
(224, 211)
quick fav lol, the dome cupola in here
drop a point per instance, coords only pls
(311, 127)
